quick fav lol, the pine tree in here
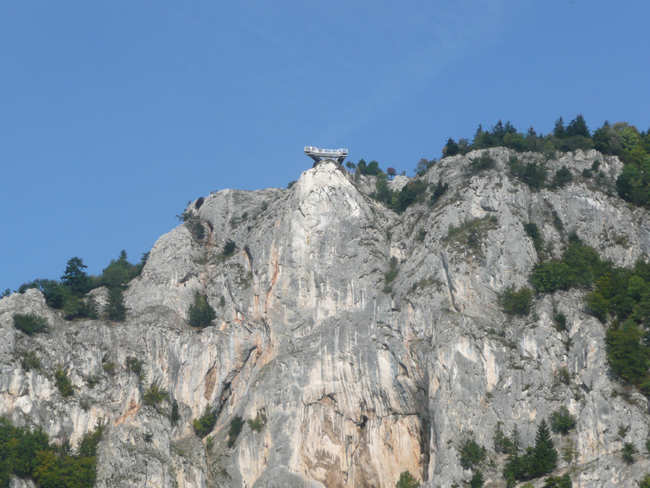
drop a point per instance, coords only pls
(578, 127)
(545, 455)
(558, 130)
(75, 278)
(115, 310)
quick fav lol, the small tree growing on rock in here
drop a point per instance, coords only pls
(201, 314)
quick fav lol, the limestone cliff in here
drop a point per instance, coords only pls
(357, 381)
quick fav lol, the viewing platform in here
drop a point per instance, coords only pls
(318, 153)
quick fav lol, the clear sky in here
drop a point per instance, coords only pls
(114, 114)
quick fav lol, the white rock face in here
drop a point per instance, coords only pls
(357, 381)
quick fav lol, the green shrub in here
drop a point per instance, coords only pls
(406, 480)
(516, 302)
(562, 177)
(154, 395)
(392, 272)
(108, 367)
(626, 354)
(471, 232)
(30, 361)
(533, 174)
(438, 190)
(563, 375)
(483, 163)
(628, 453)
(201, 314)
(134, 365)
(229, 248)
(205, 423)
(236, 425)
(477, 480)
(533, 232)
(579, 267)
(258, 423)
(502, 443)
(471, 454)
(645, 482)
(63, 383)
(562, 421)
(559, 320)
(175, 415)
(30, 323)
(558, 482)
(410, 193)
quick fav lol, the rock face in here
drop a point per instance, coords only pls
(352, 380)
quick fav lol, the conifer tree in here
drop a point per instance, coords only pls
(115, 310)
(545, 455)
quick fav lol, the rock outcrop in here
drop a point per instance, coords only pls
(352, 380)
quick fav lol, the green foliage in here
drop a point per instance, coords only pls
(175, 415)
(154, 395)
(471, 232)
(258, 423)
(115, 309)
(406, 480)
(63, 383)
(5, 293)
(483, 163)
(621, 139)
(205, 423)
(535, 462)
(438, 190)
(410, 193)
(562, 177)
(579, 267)
(471, 454)
(229, 248)
(120, 271)
(134, 365)
(76, 307)
(558, 482)
(516, 302)
(562, 421)
(628, 453)
(450, 149)
(236, 425)
(75, 278)
(627, 356)
(560, 321)
(502, 443)
(28, 454)
(195, 226)
(392, 272)
(645, 482)
(533, 232)
(30, 323)
(30, 361)
(108, 367)
(533, 174)
(200, 313)
(477, 480)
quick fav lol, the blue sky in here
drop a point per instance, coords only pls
(114, 114)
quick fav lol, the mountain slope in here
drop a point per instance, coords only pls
(358, 376)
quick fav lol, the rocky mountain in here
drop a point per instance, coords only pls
(351, 343)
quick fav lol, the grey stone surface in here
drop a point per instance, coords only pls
(358, 381)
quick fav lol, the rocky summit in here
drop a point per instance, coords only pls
(351, 344)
